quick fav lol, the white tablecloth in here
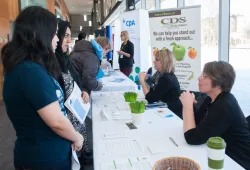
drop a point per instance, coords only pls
(144, 146)
(117, 81)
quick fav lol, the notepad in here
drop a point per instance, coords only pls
(157, 148)
(121, 147)
(115, 135)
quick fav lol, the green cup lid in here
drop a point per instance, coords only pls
(216, 143)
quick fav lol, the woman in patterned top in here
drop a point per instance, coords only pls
(67, 78)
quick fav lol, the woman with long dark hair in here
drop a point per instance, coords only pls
(33, 98)
(66, 80)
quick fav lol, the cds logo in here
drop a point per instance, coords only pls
(167, 21)
(129, 23)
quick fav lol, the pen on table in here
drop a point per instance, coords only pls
(114, 164)
(169, 115)
(172, 140)
(130, 163)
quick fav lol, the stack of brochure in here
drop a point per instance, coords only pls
(76, 105)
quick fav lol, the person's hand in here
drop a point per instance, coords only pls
(187, 99)
(120, 52)
(77, 145)
(85, 97)
(142, 76)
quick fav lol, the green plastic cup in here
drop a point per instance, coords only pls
(216, 152)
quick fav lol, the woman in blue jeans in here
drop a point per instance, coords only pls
(34, 98)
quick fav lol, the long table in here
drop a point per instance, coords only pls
(117, 81)
(139, 149)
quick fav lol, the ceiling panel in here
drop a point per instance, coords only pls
(79, 6)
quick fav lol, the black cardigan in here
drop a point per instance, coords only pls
(168, 91)
(225, 119)
(127, 62)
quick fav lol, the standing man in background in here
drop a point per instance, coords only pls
(81, 36)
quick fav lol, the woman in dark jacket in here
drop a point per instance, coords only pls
(87, 56)
(67, 78)
(166, 87)
(126, 54)
(219, 115)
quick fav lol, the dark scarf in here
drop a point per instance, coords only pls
(63, 59)
(155, 78)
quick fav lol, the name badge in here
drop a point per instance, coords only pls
(121, 56)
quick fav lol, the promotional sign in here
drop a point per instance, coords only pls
(137, 24)
(117, 42)
(179, 31)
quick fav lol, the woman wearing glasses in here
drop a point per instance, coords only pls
(126, 54)
(165, 87)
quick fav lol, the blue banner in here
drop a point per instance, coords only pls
(109, 36)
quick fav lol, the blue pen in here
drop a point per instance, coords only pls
(170, 115)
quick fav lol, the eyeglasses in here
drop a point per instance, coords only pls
(157, 59)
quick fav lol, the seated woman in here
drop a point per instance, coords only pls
(166, 87)
(219, 115)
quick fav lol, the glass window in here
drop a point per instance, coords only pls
(239, 50)
(165, 4)
(59, 15)
(26, 3)
(209, 28)
(150, 5)
(138, 5)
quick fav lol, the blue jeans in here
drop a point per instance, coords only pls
(58, 165)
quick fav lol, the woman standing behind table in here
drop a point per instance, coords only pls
(166, 87)
(126, 54)
(34, 99)
(219, 115)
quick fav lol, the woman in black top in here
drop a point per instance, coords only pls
(166, 87)
(220, 114)
(126, 54)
